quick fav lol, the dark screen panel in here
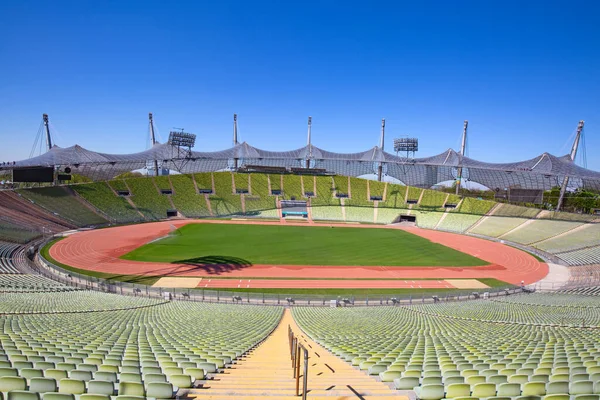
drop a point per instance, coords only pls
(33, 175)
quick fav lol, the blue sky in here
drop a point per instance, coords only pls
(522, 73)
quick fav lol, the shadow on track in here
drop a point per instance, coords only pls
(214, 265)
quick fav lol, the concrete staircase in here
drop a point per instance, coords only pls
(267, 372)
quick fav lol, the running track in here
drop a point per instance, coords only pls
(98, 250)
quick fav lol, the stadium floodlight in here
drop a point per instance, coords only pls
(182, 139)
(406, 144)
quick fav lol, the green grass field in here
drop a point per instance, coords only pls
(300, 245)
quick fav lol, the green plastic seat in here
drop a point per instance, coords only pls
(509, 389)
(475, 379)
(386, 376)
(373, 370)
(559, 377)
(129, 397)
(108, 368)
(497, 379)
(81, 375)
(58, 396)
(458, 390)
(56, 374)
(181, 381)
(87, 367)
(22, 395)
(556, 397)
(482, 390)
(9, 383)
(558, 387)
(581, 387)
(534, 389)
(130, 369)
(106, 376)
(42, 385)
(151, 370)
(155, 378)
(161, 390)
(518, 378)
(130, 377)
(586, 397)
(131, 389)
(412, 373)
(63, 366)
(29, 373)
(22, 364)
(208, 367)
(71, 386)
(44, 365)
(453, 380)
(9, 372)
(101, 387)
(88, 396)
(430, 392)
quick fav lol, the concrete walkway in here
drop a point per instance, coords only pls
(558, 276)
(267, 373)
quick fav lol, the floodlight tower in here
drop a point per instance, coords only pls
(235, 140)
(47, 128)
(381, 144)
(153, 138)
(308, 143)
(463, 144)
(572, 156)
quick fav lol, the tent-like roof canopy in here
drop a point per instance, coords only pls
(542, 172)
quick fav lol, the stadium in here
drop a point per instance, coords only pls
(175, 273)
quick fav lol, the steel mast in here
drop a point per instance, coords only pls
(463, 145)
(572, 156)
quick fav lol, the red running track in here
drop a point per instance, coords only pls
(210, 283)
(99, 250)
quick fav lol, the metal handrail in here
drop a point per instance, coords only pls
(295, 348)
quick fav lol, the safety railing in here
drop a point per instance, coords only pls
(296, 348)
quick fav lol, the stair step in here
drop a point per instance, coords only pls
(291, 392)
(266, 372)
(312, 397)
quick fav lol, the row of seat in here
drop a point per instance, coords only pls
(479, 342)
(510, 390)
(552, 299)
(29, 283)
(72, 301)
(157, 389)
(517, 312)
(141, 350)
(7, 251)
(585, 256)
(588, 291)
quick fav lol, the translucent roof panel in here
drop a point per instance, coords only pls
(541, 172)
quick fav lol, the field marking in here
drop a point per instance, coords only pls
(175, 282)
(467, 284)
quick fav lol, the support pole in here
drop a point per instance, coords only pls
(305, 376)
(153, 138)
(463, 145)
(309, 144)
(381, 145)
(572, 156)
(47, 127)
(298, 370)
(235, 140)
